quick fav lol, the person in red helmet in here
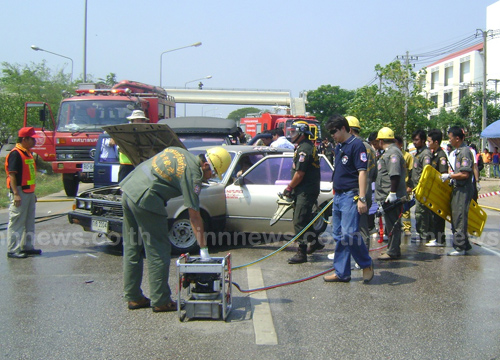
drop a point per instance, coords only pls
(21, 170)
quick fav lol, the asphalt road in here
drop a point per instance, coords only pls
(68, 304)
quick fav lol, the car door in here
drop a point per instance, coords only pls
(251, 200)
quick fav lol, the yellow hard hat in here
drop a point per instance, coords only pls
(385, 133)
(219, 159)
(353, 122)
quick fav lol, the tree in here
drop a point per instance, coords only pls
(397, 104)
(470, 112)
(236, 115)
(21, 83)
(328, 100)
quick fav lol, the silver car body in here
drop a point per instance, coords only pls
(239, 203)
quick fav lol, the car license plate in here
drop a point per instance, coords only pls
(99, 226)
(88, 167)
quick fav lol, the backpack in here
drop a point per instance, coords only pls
(480, 163)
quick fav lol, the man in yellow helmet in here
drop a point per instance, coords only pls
(146, 191)
(390, 186)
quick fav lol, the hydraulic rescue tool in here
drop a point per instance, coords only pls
(284, 204)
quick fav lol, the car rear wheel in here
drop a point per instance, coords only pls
(182, 236)
(320, 225)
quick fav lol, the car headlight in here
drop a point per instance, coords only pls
(61, 156)
(69, 156)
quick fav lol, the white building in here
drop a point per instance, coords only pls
(449, 79)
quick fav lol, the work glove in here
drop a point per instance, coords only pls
(445, 177)
(478, 186)
(204, 254)
(287, 192)
(391, 197)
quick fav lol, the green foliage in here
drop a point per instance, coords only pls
(21, 83)
(243, 112)
(385, 105)
(328, 100)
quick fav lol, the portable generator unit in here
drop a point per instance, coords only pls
(204, 287)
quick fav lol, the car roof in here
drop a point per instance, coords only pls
(246, 149)
(201, 125)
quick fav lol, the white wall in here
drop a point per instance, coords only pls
(493, 45)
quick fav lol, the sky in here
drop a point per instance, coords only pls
(255, 45)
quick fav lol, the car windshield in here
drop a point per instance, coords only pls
(81, 115)
(195, 141)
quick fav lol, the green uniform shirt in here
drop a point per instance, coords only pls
(170, 173)
(306, 159)
(439, 161)
(420, 160)
(464, 161)
(391, 163)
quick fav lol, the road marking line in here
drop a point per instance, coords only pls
(262, 318)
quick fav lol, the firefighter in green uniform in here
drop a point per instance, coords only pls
(389, 187)
(304, 188)
(461, 196)
(439, 162)
(409, 165)
(422, 158)
(146, 191)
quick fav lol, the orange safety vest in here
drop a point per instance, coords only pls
(28, 171)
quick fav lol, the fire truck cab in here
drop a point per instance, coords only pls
(255, 125)
(70, 141)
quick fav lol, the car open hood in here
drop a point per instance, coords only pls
(142, 141)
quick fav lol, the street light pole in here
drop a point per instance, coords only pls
(85, 44)
(190, 81)
(167, 51)
(36, 48)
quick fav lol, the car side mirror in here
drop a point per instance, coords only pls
(240, 181)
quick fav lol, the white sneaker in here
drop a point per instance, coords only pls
(357, 266)
(331, 256)
(433, 243)
(457, 253)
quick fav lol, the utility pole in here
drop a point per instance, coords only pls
(484, 103)
(407, 59)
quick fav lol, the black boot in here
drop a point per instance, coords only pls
(301, 255)
(315, 245)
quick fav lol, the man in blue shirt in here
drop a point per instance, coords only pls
(349, 183)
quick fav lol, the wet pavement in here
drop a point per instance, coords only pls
(67, 304)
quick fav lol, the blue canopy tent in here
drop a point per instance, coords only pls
(492, 133)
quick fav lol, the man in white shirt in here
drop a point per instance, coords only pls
(279, 140)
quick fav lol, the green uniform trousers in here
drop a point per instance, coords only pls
(439, 228)
(145, 231)
(302, 215)
(423, 221)
(393, 224)
(460, 202)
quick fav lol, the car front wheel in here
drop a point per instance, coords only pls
(182, 236)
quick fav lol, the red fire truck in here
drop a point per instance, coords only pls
(255, 125)
(69, 143)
